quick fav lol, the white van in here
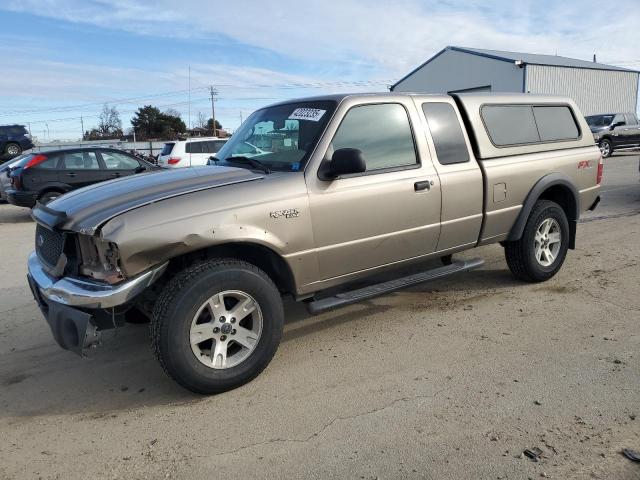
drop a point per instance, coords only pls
(190, 152)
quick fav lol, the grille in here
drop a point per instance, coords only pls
(49, 245)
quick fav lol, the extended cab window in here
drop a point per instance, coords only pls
(382, 132)
(446, 133)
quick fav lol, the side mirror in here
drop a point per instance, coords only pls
(345, 161)
(617, 124)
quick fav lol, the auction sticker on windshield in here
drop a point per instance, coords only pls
(313, 114)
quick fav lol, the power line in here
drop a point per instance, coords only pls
(84, 105)
(284, 86)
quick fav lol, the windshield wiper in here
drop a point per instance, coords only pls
(257, 164)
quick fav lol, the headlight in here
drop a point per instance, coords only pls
(99, 259)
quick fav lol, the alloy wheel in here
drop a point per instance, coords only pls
(226, 329)
(547, 242)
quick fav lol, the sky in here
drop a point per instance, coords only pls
(63, 59)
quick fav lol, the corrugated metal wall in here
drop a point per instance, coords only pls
(595, 91)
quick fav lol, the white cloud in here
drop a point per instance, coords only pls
(390, 35)
(340, 39)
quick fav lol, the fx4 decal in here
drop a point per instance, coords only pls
(289, 213)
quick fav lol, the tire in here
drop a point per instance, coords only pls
(12, 150)
(527, 258)
(48, 197)
(186, 307)
(606, 148)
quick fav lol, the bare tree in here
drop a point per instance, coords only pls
(202, 121)
(172, 112)
(109, 123)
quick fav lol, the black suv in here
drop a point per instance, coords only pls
(14, 139)
(615, 131)
(43, 176)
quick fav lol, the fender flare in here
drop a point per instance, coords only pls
(546, 182)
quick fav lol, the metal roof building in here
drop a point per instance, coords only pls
(595, 87)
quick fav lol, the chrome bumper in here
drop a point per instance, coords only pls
(76, 292)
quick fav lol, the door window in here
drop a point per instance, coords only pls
(119, 161)
(619, 119)
(213, 146)
(383, 134)
(631, 119)
(446, 133)
(194, 147)
(80, 161)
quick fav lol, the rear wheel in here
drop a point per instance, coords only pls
(217, 325)
(12, 149)
(48, 197)
(541, 250)
(606, 149)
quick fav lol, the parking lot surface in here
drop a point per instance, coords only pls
(448, 380)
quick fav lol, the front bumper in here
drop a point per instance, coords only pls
(76, 292)
(75, 308)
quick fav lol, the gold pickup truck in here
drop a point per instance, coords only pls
(306, 197)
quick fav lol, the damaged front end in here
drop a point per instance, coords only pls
(78, 283)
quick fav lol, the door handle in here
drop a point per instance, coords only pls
(115, 174)
(420, 186)
(71, 174)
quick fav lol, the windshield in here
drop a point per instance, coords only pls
(599, 120)
(280, 137)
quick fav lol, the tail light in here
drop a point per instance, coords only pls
(600, 170)
(15, 182)
(35, 160)
(173, 160)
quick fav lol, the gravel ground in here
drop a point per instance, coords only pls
(450, 380)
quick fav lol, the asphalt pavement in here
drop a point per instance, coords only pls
(448, 380)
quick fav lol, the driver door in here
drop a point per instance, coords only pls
(386, 214)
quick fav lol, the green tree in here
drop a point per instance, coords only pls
(210, 125)
(149, 122)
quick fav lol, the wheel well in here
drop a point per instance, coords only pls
(556, 188)
(50, 189)
(260, 256)
(563, 197)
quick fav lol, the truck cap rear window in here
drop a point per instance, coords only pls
(509, 125)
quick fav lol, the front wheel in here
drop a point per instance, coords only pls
(541, 250)
(606, 149)
(217, 325)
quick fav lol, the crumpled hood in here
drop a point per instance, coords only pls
(86, 209)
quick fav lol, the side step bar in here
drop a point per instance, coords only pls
(354, 296)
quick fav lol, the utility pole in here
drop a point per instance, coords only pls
(82, 127)
(241, 117)
(189, 97)
(213, 109)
